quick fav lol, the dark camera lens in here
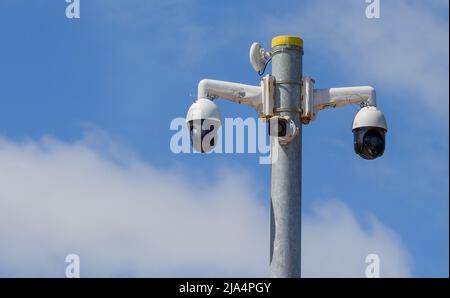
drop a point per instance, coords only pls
(277, 127)
(373, 143)
(194, 127)
(369, 142)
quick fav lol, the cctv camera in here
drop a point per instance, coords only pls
(369, 130)
(203, 120)
(283, 128)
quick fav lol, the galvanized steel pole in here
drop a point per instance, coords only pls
(285, 217)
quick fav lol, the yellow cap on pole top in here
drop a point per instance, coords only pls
(287, 40)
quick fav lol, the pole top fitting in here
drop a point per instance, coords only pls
(287, 40)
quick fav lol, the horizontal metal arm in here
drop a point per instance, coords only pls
(314, 100)
(240, 93)
(338, 97)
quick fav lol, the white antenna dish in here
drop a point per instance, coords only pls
(258, 57)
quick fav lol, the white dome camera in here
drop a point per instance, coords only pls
(369, 130)
(203, 120)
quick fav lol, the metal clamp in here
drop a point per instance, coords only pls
(291, 110)
(284, 49)
(288, 82)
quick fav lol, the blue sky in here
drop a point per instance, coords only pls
(127, 68)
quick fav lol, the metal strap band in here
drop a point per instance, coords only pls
(282, 82)
(292, 110)
(284, 49)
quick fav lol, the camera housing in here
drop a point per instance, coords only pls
(369, 133)
(283, 128)
(203, 120)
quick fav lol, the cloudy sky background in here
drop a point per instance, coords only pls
(86, 166)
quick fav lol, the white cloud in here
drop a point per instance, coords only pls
(406, 51)
(126, 218)
(336, 244)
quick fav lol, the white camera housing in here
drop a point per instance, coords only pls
(203, 120)
(369, 116)
(283, 128)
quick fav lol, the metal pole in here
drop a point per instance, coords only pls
(285, 217)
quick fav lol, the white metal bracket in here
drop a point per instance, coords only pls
(313, 100)
(267, 96)
(307, 100)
